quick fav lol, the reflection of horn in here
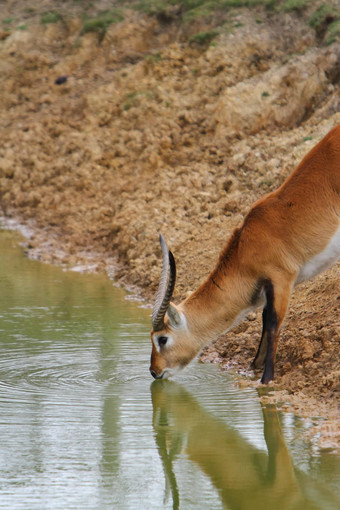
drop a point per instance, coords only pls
(166, 454)
(166, 287)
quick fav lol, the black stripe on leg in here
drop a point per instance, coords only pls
(271, 332)
(271, 316)
(258, 361)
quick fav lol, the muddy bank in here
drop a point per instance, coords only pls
(109, 137)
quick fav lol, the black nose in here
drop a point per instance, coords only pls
(154, 375)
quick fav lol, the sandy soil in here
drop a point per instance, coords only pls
(150, 131)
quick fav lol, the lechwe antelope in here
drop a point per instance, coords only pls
(287, 237)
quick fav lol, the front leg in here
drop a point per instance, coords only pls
(277, 298)
(258, 361)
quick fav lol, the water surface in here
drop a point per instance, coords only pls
(82, 426)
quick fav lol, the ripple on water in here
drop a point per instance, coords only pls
(23, 375)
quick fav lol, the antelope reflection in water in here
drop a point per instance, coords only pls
(245, 476)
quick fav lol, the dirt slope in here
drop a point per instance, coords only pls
(113, 135)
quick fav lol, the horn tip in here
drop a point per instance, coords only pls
(163, 243)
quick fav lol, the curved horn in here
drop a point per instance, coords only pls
(166, 287)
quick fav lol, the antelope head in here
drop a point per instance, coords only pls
(173, 345)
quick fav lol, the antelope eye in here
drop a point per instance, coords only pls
(162, 340)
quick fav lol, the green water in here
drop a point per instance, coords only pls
(82, 426)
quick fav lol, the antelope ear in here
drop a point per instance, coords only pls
(175, 318)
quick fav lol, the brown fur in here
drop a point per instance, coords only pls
(279, 235)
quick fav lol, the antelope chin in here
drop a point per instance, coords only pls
(168, 372)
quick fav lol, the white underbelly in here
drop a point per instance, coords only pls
(322, 260)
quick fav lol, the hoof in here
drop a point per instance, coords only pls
(267, 380)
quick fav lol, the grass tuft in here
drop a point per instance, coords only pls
(102, 21)
(204, 38)
(326, 22)
(294, 5)
(333, 32)
(50, 17)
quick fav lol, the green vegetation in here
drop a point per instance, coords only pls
(269, 4)
(333, 31)
(8, 21)
(50, 17)
(197, 8)
(326, 20)
(294, 5)
(204, 38)
(192, 9)
(322, 15)
(102, 21)
(201, 11)
(151, 6)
